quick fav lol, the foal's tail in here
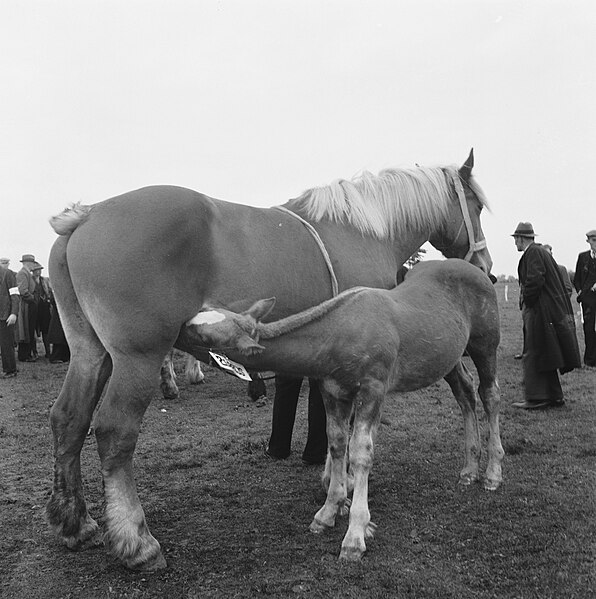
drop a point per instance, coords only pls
(70, 218)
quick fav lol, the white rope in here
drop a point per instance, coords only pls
(319, 241)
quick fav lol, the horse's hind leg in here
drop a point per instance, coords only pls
(71, 414)
(462, 384)
(490, 395)
(168, 385)
(338, 406)
(117, 424)
(366, 422)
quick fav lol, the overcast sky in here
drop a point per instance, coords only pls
(256, 101)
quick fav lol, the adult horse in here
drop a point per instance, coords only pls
(128, 272)
(364, 343)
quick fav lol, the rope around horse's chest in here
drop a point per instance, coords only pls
(320, 244)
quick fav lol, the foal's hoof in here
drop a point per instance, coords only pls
(465, 480)
(351, 554)
(317, 527)
(491, 484)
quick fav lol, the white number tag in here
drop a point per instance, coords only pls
(230, 366)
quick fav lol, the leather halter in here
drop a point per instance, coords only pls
(473, 244)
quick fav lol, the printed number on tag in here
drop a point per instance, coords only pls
(230, 366)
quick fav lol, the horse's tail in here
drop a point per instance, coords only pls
(70, 218)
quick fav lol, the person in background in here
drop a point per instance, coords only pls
(9, 308)
(43, 293)
(27, 310)
(584, 282)
(564, 272)
(57, 339)
(5, 263)
(550, 341)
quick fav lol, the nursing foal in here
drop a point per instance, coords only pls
(364, 343)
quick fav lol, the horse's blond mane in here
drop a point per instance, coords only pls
(271, 330)
(384, 205)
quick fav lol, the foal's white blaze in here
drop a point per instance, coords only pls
(207, 317)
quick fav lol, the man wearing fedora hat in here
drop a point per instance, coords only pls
(584, 282)
(27, 310)
(550, 341)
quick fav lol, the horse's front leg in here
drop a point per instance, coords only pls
(168, 386)
(361, 452)
(194, 374)
(117, 425)
(462, 385)
(338, 406)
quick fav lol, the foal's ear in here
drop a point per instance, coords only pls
(465, 172)
(248, 346)
(261, 308)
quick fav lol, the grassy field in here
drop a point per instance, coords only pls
(232, 523)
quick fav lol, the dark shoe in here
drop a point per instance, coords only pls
(9, 375)
(557, 404)
(308, 461)
(517, 357)
(274, 457)
(31, 360)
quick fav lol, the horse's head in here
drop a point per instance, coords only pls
(461, 236)
(218, 328)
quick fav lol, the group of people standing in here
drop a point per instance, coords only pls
(28, 311)
(550, 342)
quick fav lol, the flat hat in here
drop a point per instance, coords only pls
(591, 233)
(524, 230)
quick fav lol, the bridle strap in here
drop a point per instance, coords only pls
(473, 245)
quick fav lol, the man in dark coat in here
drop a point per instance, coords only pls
(584, 282)
(9, 308)
(550, 341)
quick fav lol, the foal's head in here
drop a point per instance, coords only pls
(217, 328)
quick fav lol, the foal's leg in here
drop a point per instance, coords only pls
(338, 406)
(366, 422)
(117, 424)
(486, 365)
(168, 385)
(71, 413)
(462, 384)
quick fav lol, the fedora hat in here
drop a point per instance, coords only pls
(28, 258)
(591, 233)
(524, 230)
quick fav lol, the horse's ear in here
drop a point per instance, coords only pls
(261, 308)
(465, 172)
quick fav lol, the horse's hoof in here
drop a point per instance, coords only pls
(317, 527)
(491, 484)
(156, 563)
(350, 554)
